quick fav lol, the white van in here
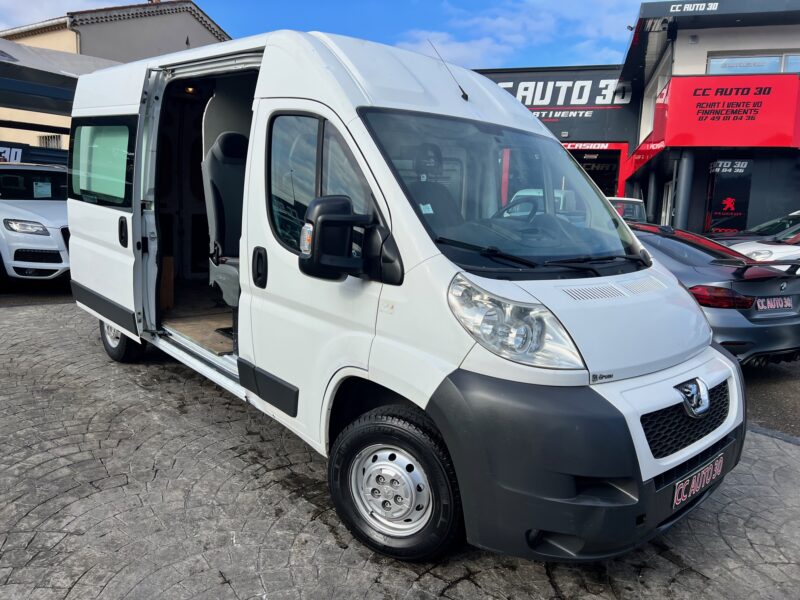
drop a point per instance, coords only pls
(320, 225)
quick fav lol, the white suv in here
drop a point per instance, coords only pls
(33, 221)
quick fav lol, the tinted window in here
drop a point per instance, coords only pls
(744, 64)
(340, 172)
(101, 161)
(792, 63)
(296, 178)
(566, 216)
(293, 174)
(28, 184)
(630, 211)
(777, 225)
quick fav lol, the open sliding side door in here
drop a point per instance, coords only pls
(105, 191)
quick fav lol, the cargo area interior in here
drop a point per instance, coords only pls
(199, 186)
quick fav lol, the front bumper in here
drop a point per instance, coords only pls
(557, 473)
(748, 340)
(27, 256)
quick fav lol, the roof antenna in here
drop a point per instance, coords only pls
(464, 94)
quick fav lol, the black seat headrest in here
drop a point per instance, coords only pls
(231, 145)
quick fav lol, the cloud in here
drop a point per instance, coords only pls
(14, 13)
(472, 53)
(580, 31)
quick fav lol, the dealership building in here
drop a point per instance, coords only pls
(702, 120)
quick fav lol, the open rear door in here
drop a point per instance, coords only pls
(105, 200)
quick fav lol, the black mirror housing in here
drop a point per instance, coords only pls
(330, 248)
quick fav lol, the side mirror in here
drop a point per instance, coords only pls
(326, 239)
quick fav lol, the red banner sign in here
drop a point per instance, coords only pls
(723, 111)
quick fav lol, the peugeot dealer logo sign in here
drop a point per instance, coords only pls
(695, 396)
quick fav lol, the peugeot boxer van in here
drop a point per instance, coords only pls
(325, 227)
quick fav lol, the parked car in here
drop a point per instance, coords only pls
(760, 233)
(784, 246)
(533, 380)
(753, 308)
(630, 209)
(33, 214)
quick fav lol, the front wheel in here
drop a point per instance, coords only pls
(119, 346)
(394, 486)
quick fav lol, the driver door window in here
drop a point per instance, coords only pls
(309, 158)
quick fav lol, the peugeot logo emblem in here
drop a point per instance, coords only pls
(695, 396)
(783, 286)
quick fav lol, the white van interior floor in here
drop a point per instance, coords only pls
(200, 315)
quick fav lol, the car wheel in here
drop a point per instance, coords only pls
(119, 346)
(394, 486)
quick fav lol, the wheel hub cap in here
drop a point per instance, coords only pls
(391, 490)
(112, 335)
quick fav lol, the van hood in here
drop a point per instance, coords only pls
(626, 325)
(50, 213)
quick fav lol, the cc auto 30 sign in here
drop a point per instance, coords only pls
(732, 110)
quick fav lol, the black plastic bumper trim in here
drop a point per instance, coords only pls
(274, 390)
(537, 467)
(122, 317)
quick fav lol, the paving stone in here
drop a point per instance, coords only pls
(146, 480)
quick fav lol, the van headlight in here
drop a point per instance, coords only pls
(25, 227)
(525, 333)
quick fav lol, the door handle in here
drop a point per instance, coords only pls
(123, 232)
(260, 267)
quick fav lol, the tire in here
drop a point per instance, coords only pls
(118, 346)
(4, 278)
(403, 446)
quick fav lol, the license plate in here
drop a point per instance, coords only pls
(689, 487)
(774, 303)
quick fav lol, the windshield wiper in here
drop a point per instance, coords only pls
(595, 259)
(488, 251)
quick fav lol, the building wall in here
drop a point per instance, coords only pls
(134, 39)
(30, 137)
(60, 39)
(691, 58)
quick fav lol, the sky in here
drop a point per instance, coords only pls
(471, 33)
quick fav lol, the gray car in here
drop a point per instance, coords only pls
(754, 309)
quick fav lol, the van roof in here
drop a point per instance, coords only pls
(341, 72)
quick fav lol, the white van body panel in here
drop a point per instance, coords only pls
(113, 91)
(645, 394)
(604, 318)
(418, 342)
(300, 325)
(98, 261)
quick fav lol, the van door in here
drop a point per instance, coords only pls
(302, 330)
(104, 219)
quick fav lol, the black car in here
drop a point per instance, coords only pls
(753, 308)
(760, 233)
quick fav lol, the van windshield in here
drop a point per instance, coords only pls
(478, 186)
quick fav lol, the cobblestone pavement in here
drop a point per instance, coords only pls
(146, 481)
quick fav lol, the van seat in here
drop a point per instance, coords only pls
(223, 184)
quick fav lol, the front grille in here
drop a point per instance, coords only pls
(38, 256)
(671, 429)
(698, 460)
(65, 235)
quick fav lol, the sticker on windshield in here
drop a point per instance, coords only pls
(426, 209)
(42, 189)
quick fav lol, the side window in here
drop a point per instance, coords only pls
(293, 174)
(341, 175)
(101, 161)
(296, 176)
